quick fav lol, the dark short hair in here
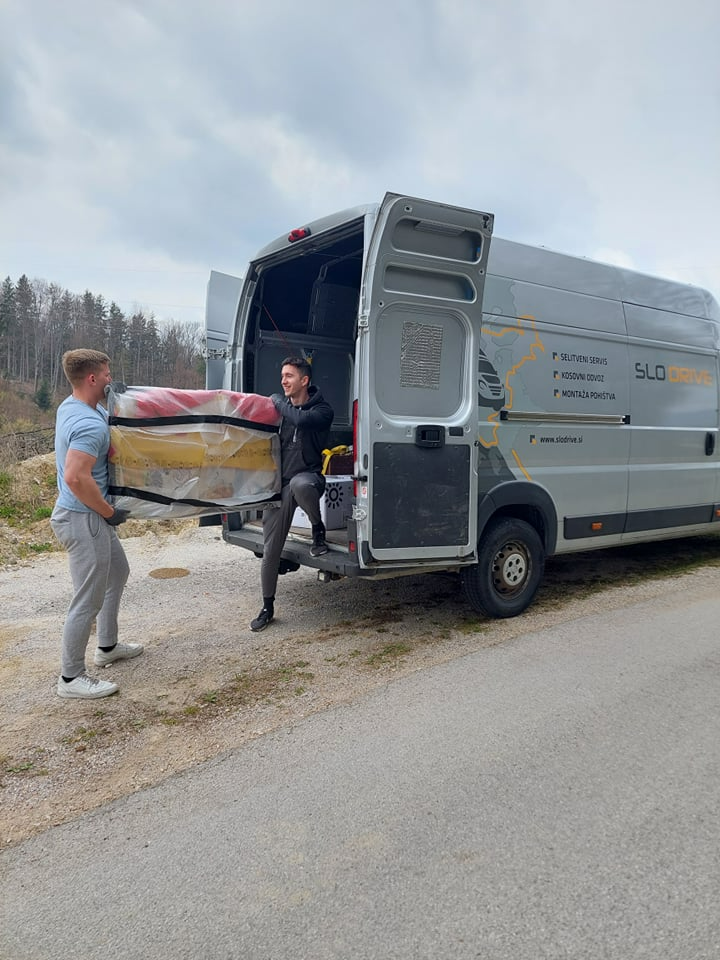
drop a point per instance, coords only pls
(302, 365)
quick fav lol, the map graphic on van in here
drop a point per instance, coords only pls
(491, 392)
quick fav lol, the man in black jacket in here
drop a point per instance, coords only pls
(306, 421)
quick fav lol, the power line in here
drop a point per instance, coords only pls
(147, 303)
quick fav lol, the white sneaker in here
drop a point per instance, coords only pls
(85, 688)
(121, 651)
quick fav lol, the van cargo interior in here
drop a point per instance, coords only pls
(305, 304)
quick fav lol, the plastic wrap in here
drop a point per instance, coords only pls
(186, 453)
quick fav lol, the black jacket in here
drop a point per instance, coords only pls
(312, 420)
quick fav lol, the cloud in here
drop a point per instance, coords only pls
(152, 141)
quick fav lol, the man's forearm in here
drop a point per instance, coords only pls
(88, 493)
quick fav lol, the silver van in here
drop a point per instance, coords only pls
(503, 402)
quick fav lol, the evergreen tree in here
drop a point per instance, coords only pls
(8, 321)
(7, 306)
(135, 342)
(23, 362)
(43, 397)
(151, 349)
(116, 343)
(92, 321)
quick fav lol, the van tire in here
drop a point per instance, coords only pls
(511, 560)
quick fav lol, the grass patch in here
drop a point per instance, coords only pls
(472, 626)
(27, 496)
(252, 686)
(83, 735)
(21, 767)
(169, 719)
(580, 575)
(388, 653)
(27, 766)
(246, 688)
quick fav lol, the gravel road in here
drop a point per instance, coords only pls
(206, 683)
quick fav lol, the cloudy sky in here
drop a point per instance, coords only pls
(144, 143)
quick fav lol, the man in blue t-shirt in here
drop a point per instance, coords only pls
(83, 520)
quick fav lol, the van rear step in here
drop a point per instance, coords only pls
(339, 561)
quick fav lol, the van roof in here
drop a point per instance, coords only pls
(323, 225)
(533, 264)
(539, 265)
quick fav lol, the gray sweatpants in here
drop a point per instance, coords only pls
(304, 490)
(99, 572)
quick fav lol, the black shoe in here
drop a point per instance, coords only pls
(287, 566)
(319, 546)
(262, 620)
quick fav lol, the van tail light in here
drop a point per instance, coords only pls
(298, 234)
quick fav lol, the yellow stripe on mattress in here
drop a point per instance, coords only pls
(229, 446)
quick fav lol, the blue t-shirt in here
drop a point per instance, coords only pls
(79, 427)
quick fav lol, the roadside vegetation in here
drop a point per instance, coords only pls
(27, 494)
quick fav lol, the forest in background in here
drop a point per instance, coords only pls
(39, 321)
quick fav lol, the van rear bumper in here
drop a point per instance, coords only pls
(338, 560)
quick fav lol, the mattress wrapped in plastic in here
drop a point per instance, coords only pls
(185, 453)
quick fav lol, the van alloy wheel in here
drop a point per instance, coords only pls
(511, 560)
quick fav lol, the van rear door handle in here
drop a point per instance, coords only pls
(430, 435)
(709, 444)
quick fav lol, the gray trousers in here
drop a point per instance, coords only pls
(304, 490)
(99, 570)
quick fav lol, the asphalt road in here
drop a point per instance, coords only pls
(554, 797)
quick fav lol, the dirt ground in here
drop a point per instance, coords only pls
(206, 684)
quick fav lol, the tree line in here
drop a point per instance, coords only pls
(39, 321)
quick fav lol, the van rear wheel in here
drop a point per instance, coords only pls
(511, 560)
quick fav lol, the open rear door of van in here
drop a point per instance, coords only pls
(418, 350)
(221, 307)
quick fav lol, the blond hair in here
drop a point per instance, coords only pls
(77, 364)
